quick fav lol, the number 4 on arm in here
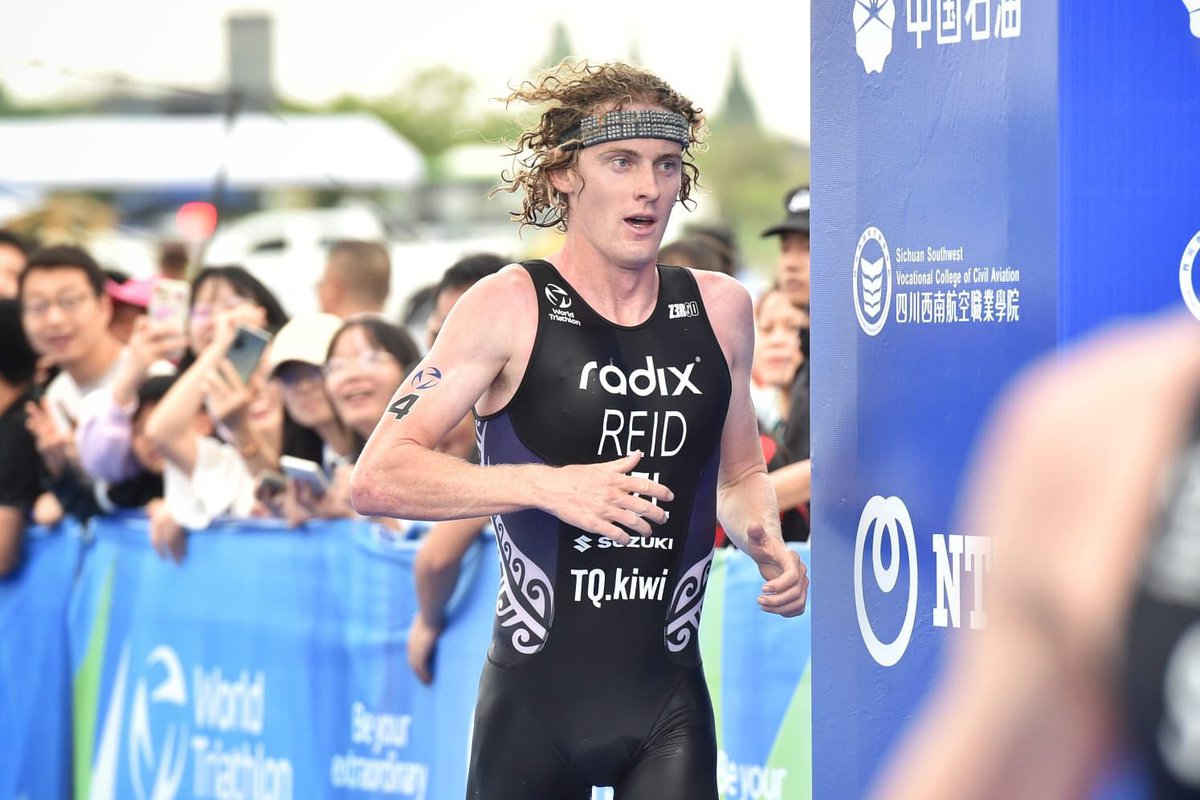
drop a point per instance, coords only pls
(402, 406)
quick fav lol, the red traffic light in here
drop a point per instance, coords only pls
(196, 221)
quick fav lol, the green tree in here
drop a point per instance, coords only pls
(748, 169)
(433, 109)
(430, 109)
(560, 46)
(7, 107)
(749, 172)
(738, 108)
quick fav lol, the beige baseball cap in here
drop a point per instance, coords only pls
(305, 339)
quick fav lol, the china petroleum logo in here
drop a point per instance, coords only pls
(885, 517)
(1193, 9)
(872, 281)
(874, 21)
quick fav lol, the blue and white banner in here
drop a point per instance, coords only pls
(990, 178)
(271, 663)
(35, 669)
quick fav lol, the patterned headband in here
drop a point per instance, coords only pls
(617, 125)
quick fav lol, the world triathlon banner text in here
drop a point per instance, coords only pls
(271, 664)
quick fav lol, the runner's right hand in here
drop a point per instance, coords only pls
(600, 497)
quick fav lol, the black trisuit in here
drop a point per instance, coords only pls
(1162, 647)
(594, 676)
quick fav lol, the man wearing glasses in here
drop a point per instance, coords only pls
(65, 313)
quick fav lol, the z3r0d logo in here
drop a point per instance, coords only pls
(885, 516)
(872, 281)
(874, 21)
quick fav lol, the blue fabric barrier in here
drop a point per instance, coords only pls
(35, 674)
(271, 663)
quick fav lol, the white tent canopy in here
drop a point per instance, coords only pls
(260, 151)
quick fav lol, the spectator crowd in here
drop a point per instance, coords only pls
(190, 401)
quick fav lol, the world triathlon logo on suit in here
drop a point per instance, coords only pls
(560, 302)
(558, 296)
(872, 281)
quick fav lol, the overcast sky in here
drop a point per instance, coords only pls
(368, 46)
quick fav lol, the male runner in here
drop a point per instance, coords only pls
(614, 417)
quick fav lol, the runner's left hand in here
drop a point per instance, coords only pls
(422, 642)
(786, 590)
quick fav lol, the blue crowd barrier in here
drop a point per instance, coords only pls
(271, 663)
(35, 671)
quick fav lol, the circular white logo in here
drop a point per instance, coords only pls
(873, 23)
(887, 515)
(1186, 285)
(872, 281)
(558, 296)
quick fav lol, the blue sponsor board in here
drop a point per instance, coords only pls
(271, 664)
(267, 667)
(991, 179)
(35, 673)
(1129, 112)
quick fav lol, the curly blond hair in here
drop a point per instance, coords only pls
(574, 90)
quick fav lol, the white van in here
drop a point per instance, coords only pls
(287, 250)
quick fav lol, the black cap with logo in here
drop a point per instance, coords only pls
(797, 203)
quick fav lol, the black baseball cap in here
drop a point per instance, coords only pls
(797, 203)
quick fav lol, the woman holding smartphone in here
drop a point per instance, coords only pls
(205, 477)
(367, 360)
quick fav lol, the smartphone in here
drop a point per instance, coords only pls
(247, 349)
(169, 303)
(305, 471)
(270, 484)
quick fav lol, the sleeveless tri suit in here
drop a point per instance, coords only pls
(593, 676)
(1161, 659)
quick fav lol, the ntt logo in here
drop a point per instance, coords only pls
(885, 516)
